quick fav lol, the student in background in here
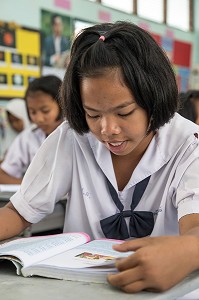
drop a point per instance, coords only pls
(128, 162)
(44, 111)
(17, 121)
(193, 95)
(17, 114)
(189, 105)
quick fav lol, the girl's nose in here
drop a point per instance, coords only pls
(38, 118)
(109, 126)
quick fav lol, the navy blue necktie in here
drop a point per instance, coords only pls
(141, 222)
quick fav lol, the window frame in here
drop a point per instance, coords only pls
(134, 2)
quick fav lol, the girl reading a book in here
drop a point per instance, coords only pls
(44, 112)
(128, 162)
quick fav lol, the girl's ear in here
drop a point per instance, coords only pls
(149, 126)
(60, 115)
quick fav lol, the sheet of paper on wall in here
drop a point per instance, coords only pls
(194, 295)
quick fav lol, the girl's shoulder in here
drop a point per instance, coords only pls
(178, 128)
(176, 135)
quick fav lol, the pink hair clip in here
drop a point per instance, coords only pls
(102, 37)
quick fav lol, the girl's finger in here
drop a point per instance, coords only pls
(124, 278)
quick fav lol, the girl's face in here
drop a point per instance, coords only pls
(43, 111)
(112, 113)
(16, 123)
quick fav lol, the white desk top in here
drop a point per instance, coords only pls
(20, 288)
(9, 187)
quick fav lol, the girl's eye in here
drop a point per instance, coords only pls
(126, 115)
(46, 111)
(92, 117)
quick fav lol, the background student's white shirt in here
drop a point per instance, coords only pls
(22, 151)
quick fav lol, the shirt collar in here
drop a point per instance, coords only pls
(166, 142)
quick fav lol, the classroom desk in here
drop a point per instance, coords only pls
(20, 288)
(53, 221)
(17, 287)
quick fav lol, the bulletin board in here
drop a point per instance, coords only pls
(19, 59)
(179, 53)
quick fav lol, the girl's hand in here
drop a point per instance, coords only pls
(157, 264)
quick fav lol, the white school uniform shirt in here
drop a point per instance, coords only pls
(77, 165)
(22, 151)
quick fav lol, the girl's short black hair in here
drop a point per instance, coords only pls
(145, 67)
(50, 85)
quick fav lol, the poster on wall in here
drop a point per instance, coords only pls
(57, 31)
(179, 53)
(194, 78)
(19, 58)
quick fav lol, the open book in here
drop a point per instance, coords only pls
(69, 256)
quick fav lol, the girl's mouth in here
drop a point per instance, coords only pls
(116, 147)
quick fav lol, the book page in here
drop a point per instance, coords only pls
(33, 249)
(93, 254)
(194, 295)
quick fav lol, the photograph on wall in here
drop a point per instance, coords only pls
(17, 46)
(8, 34)
(2, 57)
(56, 42)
